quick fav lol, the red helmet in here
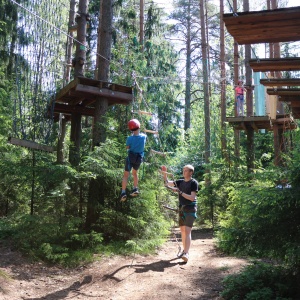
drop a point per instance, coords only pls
(134, 124)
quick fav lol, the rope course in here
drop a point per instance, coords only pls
(39, 65)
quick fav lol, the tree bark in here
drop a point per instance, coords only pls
(236, 78)
(104, 54)
(204, 51)
(96, 189)
(223, 83)
(187, 112)
(142, 25)
(249, 103)
(80, 58)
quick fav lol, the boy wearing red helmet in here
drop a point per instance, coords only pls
(135, 145)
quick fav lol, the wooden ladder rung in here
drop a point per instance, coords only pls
(160, 153)
(151, 131)
(141, 112)
(157, 152)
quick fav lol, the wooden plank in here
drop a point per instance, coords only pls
(261, 16)
(104, 92)
(268, 26)
(151, 131)
(66, 89)
(30, 144)
(140, 112)
(275, 64)
(248, 119)
(284, 92)
(289, 98)
(69, 109)
(280, 82)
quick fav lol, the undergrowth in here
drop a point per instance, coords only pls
(261, 281)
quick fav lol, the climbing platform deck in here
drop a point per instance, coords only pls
(267, 26)
(261, 122)
(275, 64)
(280, 82)
(81, 94)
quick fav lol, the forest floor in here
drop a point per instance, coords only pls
(159, 276)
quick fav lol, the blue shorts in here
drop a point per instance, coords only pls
(129, 165)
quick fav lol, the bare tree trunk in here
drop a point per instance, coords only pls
(104, 54)
(249, 102)
(80, 58)
(142, 25)
(236, 78)
(67, 77)
(61, 139)
(205, 88)
(96, 188)
(223, 83)
(187, 113)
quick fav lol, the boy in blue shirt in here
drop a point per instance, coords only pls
(135, 145)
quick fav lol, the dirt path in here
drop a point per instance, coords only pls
(161, 276)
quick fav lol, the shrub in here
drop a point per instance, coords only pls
(260, 281)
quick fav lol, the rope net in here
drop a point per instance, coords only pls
(39, 54)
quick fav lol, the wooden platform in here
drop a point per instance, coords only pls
(293, 102)
(261, 122)
(81, 94)
(284, 92)
(280, 82)
(30, 144)
(267, 26)
(275, 64)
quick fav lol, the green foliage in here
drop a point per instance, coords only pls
(260, 281)
(47, 239)
(261, 220)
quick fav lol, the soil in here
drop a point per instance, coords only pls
(160, 276)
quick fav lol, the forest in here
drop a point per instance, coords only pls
(61, 173)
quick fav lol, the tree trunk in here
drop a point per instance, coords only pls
(187, 113)
(223, 83)
(80, 58)
(104, 54)
(96, 189)
(249, 102)
(142, 25)
(61, 139)
(205, 89)
(236, 78)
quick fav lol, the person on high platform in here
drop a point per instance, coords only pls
(239, 97)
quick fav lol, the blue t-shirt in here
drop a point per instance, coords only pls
(187, 187)
(137, 143)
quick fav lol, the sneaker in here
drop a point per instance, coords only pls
(123, 197)
(179, 255)
(135, 192)
(185, 257)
